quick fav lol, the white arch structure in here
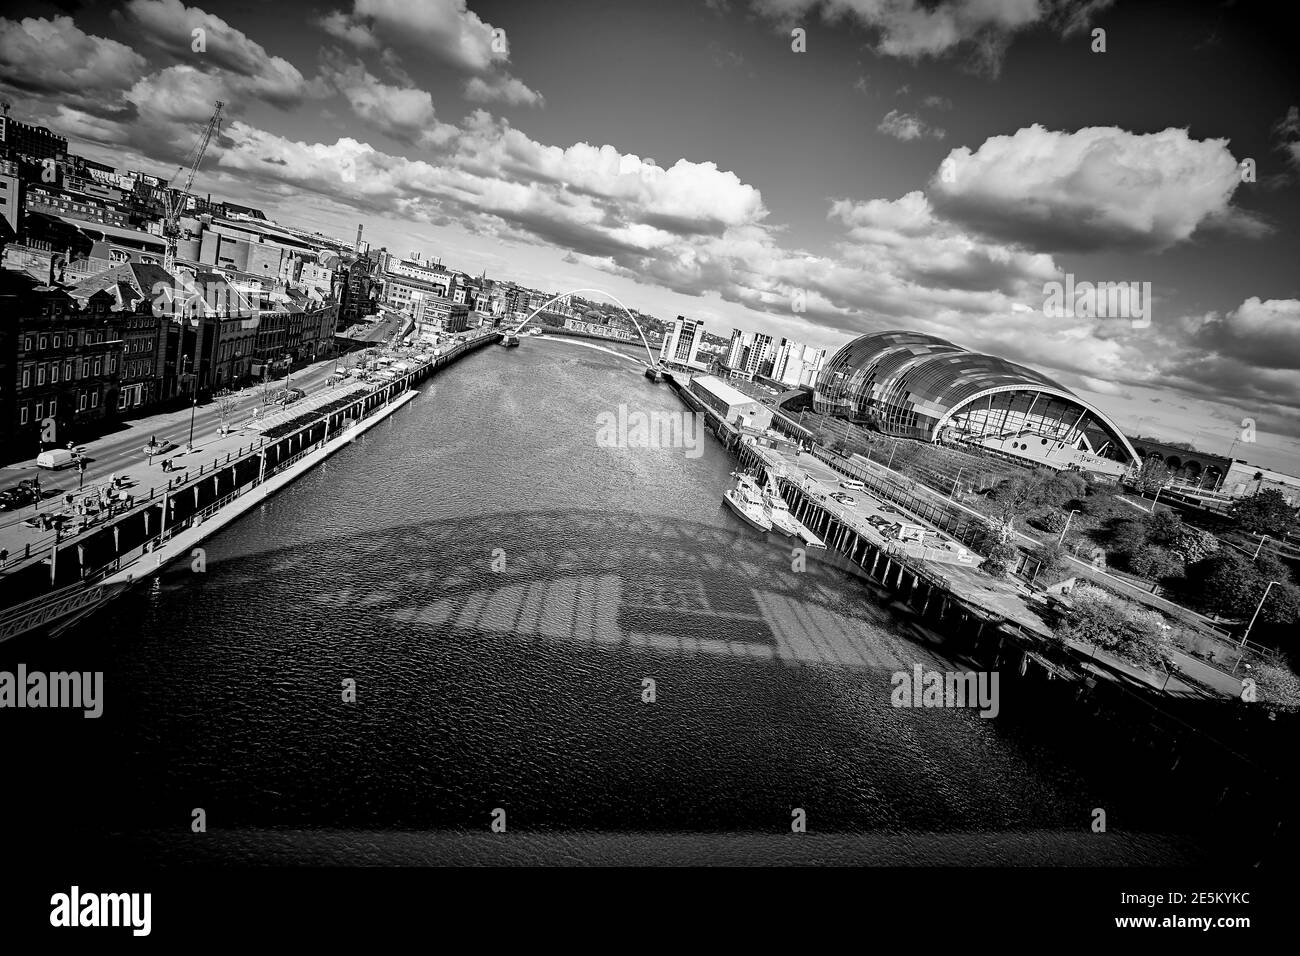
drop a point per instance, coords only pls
(653, 361)
(1115, 433)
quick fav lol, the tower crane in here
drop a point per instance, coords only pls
(173, 206)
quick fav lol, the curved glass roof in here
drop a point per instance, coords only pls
(910, 382)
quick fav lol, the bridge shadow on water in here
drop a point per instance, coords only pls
(522, 688)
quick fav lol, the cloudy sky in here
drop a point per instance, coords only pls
(912, 165)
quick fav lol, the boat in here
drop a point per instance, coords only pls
(778, 512)
(746, 500)
(510, 341)
(653, 373)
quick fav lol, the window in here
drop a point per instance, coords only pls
(40, 410)
(45, 341)
(27, 377)
(85, 368)
(40, 375)
(54, 372)
(94, 399)
(81, 401)
(67, 371)
(121, 399)
(98, 366)
(112, 364)
(54, 406)
(23, 416)
(27, 343)
(58, 341)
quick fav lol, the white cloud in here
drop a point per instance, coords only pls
(56, 56)
(444, 30)
(402, 112)
(502, 89)
(1100, 187)
(906, 126)
(912, 29)
(168, 25)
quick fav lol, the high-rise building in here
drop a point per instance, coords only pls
(682, 343)
(759, 359)
(740, 341)
(794, 364)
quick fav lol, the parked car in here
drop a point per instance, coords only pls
(842, 498)
(890, 510)
(158, 446)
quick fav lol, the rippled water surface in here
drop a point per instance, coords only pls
(522, 689)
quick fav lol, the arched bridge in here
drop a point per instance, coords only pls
(651, 360)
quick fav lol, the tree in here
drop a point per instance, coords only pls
(1052, 521)
(1152, 476)
(1265, 512)
(1127, 536)
(1163, 527)
(225, 400)
(1020, 494)
(1051, 558)
(1001, 556)
(1193, 544)
(1101, 505)
(1155, 563)
(1111, 623)
(1226, 583)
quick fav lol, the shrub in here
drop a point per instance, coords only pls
(1112, 623)
(1279, 688)
(1193, 544)
(1053, 521)
(1155, 564)
(1163, 528)
(1000, 559)
(1051, 558)
(1127, 537)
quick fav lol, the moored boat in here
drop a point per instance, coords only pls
(746, 500)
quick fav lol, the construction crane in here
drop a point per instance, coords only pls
(174, 206)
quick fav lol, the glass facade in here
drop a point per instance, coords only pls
(913, 385)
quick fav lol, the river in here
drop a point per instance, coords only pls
(520, 686)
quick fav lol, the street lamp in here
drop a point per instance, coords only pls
(1260, 548)
(1156, 498)
(194, 400)
(1073, 512)
(1256, 614)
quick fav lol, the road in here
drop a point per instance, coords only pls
(120, 454)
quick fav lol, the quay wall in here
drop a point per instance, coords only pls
(191, 497)
(1171, 743)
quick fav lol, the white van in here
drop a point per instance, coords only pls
(55, 459)
(852, 485)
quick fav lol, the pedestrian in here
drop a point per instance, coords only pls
(4, 558)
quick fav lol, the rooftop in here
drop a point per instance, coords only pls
(723, 390)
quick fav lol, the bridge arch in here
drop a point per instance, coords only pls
(652, 362)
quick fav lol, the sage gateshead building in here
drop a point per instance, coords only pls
(912, 385)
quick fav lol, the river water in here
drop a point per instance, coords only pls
(520, 687)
